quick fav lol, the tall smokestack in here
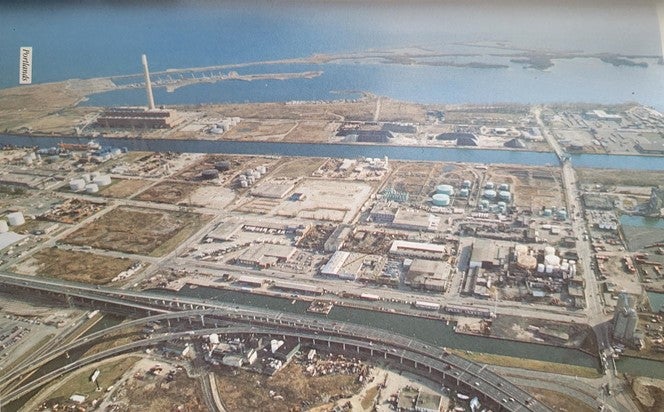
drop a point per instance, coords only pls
(148, 84)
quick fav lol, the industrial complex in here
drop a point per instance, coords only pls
(222, 281)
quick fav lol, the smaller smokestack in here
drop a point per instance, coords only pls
(148, 84)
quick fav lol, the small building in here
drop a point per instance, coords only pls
(337, 238)
(428, 274)
(428, 402)
(487, 254)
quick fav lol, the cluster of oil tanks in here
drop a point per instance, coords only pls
(89, 182)
(221, 166)
(445, 192)
(250, 176)
(552, 263)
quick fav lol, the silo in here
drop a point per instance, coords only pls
(562, 214)
(490, 194)
(102, 180)
(540, 268)
(464, 192)
(445, 190)
(466, 184)
(256, 174)
(91, 188)
(3, 226)
(548, 268)
(549, 250)
(15, 219)
(505, 195)
(489, 185)
(244, 183)
(242, 178)
(440, 200)
(504, 186)
(33, 155)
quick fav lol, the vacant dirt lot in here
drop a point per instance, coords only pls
(168, 192)
(558, 401)
(73, 266)
(620, 177)
(141, 231)
(122, 189)
(251, 392)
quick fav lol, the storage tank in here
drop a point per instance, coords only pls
(564, 267)
(28, 160)
(243, 178)
(102, 180)
(527, 262)
(3, 226)
(562, 214)
(94, 175)
(223, 165)
(549, 250)
(540, 268)
(440, 199)
(504, 186)
(505, 195)
(91, 188)
(244, 183)
(76, 185)
(521, 250)
(445, 190)
(262, 169)
(464, 192)
(87, 178)
(15, 219)
(490, 194)
(210, 174)
(466, 184)
(489, 185)
(552, 260)
(548, 268)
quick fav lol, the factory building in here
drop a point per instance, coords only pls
(415, 220)
(418, 250)
(266, 255)
(140, 117)
(487, 254)
(383, 213)
(428, 275)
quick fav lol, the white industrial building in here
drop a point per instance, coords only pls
(418, 250)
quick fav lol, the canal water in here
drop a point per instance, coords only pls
(642, 221)
(432, 331)
(415, 153)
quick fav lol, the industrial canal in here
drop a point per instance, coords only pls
(415, 153)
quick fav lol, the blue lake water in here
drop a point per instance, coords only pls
(98, 39)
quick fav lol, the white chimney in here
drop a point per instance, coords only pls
(148, 84)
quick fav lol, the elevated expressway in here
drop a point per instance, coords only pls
(431, 362)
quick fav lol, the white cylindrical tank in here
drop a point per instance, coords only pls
(540, 268)
(3, 226)
(76, 185)
(87, 178)
(244, 183)
(549, 250)
(15, 219)
(552, 260)
(103, 180)
(28, 160)
(564, 267)
(549, 268)
(91, 188)
(33, 155)
(262, 169)
(243, 178)
(94, 175)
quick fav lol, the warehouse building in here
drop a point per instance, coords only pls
(418, 250)
(428, 275)
(266, 255)
(415, 220)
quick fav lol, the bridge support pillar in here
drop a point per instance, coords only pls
(400, 359)
(384, 355)
(299, 340)
(202, 320)
(189, 319)
(168, 322)
(329, 343)
(358, 348)
(313, 342)
(371, 351)
(415, 365)
(343, 345)
(429, 368)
